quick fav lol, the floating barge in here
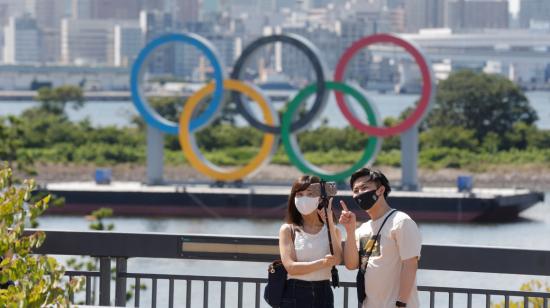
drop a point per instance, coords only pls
(269, 202)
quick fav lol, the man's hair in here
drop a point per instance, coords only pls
(375, 176)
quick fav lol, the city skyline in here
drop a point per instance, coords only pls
(107, 33)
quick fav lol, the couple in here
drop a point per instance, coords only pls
(387, 263)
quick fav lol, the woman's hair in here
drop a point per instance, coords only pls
(293, 216)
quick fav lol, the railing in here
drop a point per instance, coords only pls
(121, 246)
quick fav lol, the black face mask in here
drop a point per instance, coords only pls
(366, 200)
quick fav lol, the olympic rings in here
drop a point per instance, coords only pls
(291, 144)
(188, 124)
(427, 85)
(313, 55)
(148, 113)
(190, 148)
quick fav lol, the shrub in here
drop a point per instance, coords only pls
(37, 280)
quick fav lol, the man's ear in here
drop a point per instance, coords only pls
(380, 190)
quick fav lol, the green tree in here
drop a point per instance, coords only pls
(449, 137)
(37, 280)
(54, 100)
(480, 102)
(11, 143)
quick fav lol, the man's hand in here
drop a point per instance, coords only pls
(347, 218)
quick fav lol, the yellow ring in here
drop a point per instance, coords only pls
(191, 151)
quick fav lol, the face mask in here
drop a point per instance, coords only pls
(366, 200)
(306, 205)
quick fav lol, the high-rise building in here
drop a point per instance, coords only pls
(48, 13)
(154, 24)
(210, 7)
(320, 3)
(393, 4)
(51, 44)
(21, 41)
(152, 5)
(128, 41)
(116, 9)
(477, 14)
(105, 9)
(421, 14)
(186, 11)
(290, 4)
(11, 8)
(87, 41)
(534, 11)
(81, 9)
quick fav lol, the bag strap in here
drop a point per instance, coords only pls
(324, 199)
(292, 233)
(376, 239)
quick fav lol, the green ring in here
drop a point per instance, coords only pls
(291, 145)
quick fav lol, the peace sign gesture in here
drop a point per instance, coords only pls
(347, 218)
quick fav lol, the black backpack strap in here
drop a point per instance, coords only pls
(376, 238)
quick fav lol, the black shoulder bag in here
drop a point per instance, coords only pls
(324, 203)
(360, 279)
(276, 279)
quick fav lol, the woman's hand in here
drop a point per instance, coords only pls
(321, 213)
(330, 261)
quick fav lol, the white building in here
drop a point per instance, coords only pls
(48, 14)
(87, 41)
(128, 41)
(21, 41)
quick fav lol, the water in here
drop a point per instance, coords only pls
(530, 232)
(121, 113)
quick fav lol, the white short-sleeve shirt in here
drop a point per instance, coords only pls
(399, 240)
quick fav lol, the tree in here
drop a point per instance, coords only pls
(55, 100)
(11, 141)
(480, 102)
(37, 281)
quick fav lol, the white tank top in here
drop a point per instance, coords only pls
(311, 247)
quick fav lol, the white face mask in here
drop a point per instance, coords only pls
(306, 205)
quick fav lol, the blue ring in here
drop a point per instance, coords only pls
(149, 114)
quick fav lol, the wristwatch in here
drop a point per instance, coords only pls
(400, 304)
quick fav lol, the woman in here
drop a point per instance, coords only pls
(304, 248)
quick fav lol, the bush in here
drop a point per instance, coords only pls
(449, 137)
(37, 280)
(437, 158)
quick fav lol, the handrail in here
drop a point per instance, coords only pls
(265, 249)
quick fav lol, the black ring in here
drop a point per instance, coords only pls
(314, 57)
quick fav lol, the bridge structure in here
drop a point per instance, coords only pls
(521, 55)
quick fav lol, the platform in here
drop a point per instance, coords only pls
(261, 201)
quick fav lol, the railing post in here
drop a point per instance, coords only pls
(120, 285)
(105, 281)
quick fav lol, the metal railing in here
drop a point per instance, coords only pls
(109, 246)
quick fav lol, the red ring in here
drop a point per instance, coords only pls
(418, 112)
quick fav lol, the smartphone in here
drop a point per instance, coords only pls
(330, 188)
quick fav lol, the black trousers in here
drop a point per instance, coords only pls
(307, 294)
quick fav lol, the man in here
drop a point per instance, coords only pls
(390, 261)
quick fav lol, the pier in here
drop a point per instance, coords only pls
(269, 201)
